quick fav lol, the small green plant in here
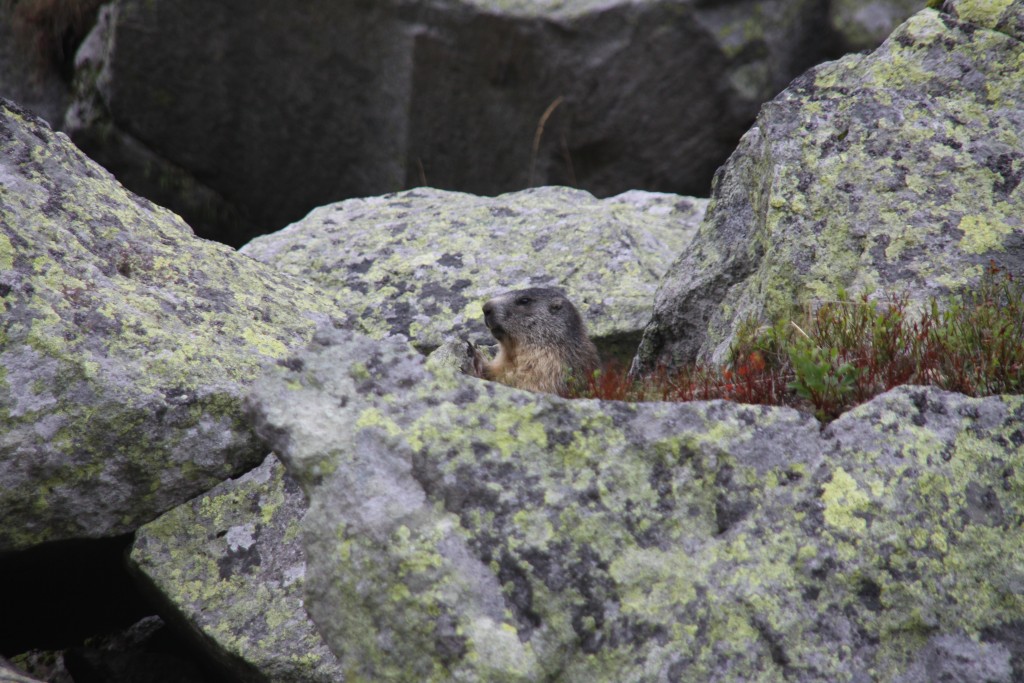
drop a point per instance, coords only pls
(821, 378)
(841, 353)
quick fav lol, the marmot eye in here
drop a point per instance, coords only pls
(523, 300)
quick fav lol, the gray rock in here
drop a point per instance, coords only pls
(11, 674)
(145, 652)
(462, 530)
(959, 659)
(1005, 16)
(897, 171)
(455, 355)
(422, 262)
(863, 25)
(137, 165)
(125, 348)
(294, 110)
(35, 666)
(27, 75)
(230, 564)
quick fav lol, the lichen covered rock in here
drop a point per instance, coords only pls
(421, 263)
(1006, 16)
(230, 564)
(125, 346)
(462, 530)
(897, 171)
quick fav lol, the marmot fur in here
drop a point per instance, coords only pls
(543, 344)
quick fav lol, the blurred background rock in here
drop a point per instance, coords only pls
(242, 120)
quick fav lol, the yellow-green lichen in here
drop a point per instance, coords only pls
(263, 343)
(984, 13)
(515, 429)
(844, 500)
(983, 234)
(6, 253)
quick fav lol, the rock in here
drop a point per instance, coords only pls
(299, 109)
(229, 564)
(864, 25)
(421, 263)
(145, 652)
(462, 530)
(125, 347)
(455, 355)
(959, 659)
(11, 674)
(140, 168)
(37, 45)
(85, 582)
(897, 171)
(26, 78)
(1005, 16)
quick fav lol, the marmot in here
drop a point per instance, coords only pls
(543, 344)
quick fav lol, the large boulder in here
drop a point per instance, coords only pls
(126, 345)
(264, 115)
(230, 566)
(38, 40)
(25, 76)
(864, 24)
(11, 674)
(462, 530)
(420, 263)
(896, 171)
(1006, 16)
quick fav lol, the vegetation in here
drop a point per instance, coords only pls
(844, 352)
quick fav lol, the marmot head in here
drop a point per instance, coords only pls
(543, 345)
(534, 317)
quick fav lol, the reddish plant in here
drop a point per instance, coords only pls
(845, 352)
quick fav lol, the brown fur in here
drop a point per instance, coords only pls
(543, 344)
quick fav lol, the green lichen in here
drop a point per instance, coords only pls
(6, 253)
(982, 12)
(376, 419)
(845, 503)
(515, 429)
(983, 234)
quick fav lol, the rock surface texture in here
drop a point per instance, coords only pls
(126, 345)
(25, 75)
(863, 24)
(265, 115)
(899, 171)
(422, 262)
(230, 564)
(462, 530)
(11, 674)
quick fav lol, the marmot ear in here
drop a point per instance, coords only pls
(555, 306)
